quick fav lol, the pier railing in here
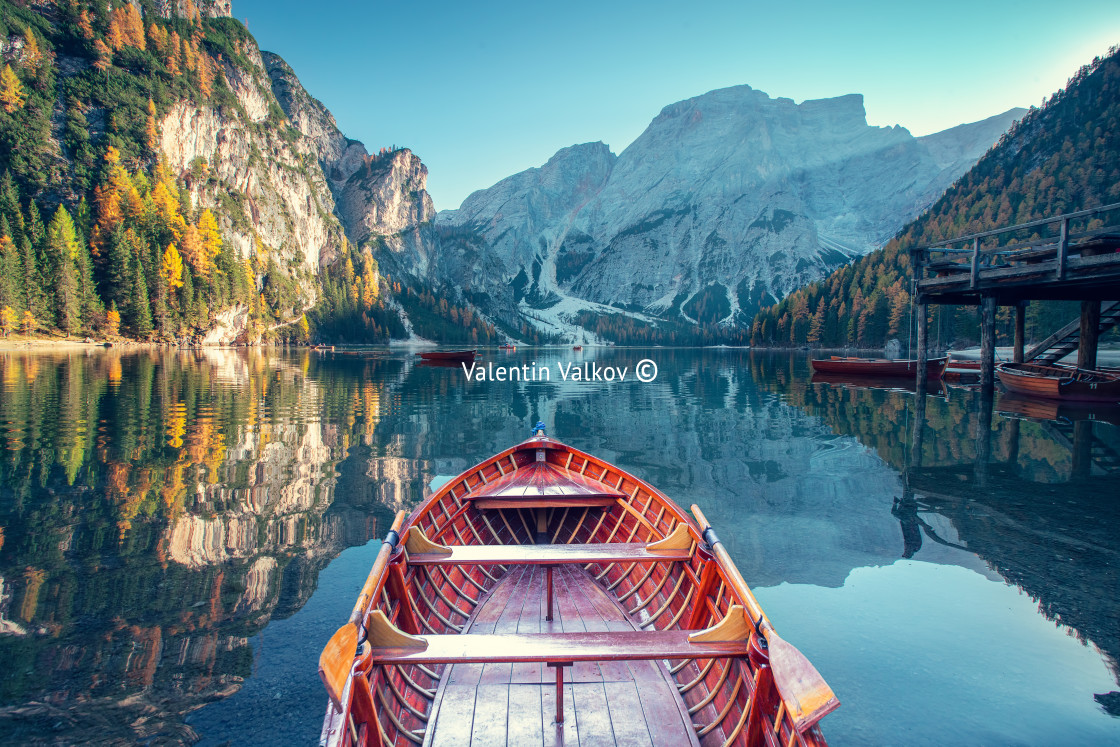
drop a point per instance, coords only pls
(1079, 246)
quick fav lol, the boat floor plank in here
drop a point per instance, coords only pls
(456, 717)
(608, 703)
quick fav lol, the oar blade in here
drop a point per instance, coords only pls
(807, 696)
(337, 660)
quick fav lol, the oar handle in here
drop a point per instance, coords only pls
(369, 589)
(731, 572)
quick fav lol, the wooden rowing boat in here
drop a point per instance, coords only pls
(1060, 382)
(449, 356)
(877, 366)
(544, 558)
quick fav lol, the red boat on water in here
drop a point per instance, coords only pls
(449, 356)
(544, 563)
(877, 366)
(1060, 382)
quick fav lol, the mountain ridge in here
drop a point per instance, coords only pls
(732, 193)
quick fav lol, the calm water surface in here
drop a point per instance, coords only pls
(181, 533)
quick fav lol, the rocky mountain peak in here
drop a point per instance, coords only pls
(387, 194)
(733, 198)
(339, 156)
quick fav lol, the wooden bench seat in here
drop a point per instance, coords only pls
(674, 548)
(506, 648)
(615, 552)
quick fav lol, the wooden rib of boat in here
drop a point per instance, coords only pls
(877, 366)
(545, 590)
(1060, 382)
(449, 356)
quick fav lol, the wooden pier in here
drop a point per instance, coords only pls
(1075, 257)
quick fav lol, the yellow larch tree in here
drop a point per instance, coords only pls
(167, 208)
(193, 251)
(210, 235)
(84, 24)
(12, 97)
(171, 268)
(116, 34)
(32, 53)
(7, 320)
(104, 56)
(151, 130)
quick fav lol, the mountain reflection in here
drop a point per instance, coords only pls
(1028, 486)
(156, 511)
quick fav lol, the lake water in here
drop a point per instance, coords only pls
(180, 533)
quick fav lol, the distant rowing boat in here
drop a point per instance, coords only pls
(544, 558)
(449, 356)
(877, 366)
(1060, 382)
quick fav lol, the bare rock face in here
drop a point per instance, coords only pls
(259, 185)
(208, 8)
(385, 196)
(381, 200)
(731, 194)
(339, 156)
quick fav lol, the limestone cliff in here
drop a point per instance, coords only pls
(261, 176)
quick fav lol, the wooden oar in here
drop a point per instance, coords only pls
(807, 696)
(337, 658)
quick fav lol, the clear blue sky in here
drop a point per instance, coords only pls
(481, 90)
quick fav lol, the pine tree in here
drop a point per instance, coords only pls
(12, 97)
(141, 313)
(68, 308)
(9, 206)
(31, 293)
(10, 271)
(119, 274)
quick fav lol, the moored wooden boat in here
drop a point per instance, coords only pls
(545, 558)
(450, 356)
(1060, 382)
(877, 366)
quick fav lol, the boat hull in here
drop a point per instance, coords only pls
(879, 367)
(1060, 383)
(448, 356)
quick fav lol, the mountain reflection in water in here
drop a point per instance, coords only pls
(166, 520)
